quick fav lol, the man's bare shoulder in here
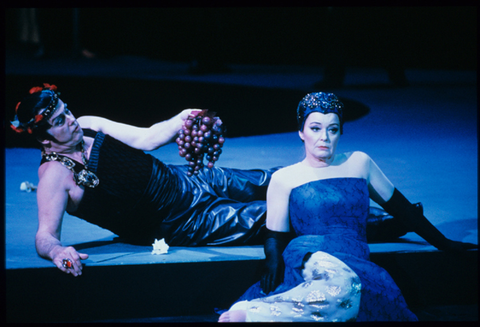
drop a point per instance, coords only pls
(54, 174)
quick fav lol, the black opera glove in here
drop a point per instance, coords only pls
(455, 246)
(275, 244)
(411, 215)
(383, 227)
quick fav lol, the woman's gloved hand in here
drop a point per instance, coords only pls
(275, 244)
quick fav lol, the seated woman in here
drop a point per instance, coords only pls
(324, 200)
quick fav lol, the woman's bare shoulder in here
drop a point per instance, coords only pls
(287, 172)
(357, 157)
(291, 176)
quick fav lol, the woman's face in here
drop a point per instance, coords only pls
(321, 134)
(65, 128)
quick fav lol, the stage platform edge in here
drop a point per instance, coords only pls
(142, 291)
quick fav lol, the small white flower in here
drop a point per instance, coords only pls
(27, 187)
(160, 247)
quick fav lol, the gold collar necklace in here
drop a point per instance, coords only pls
(84, 177)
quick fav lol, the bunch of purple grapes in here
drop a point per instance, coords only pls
(201, 137)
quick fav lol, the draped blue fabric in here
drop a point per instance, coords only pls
(330, 215)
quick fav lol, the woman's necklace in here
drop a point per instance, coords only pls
(84, 177)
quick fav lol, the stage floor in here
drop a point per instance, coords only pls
(424, 138)
(453, 213)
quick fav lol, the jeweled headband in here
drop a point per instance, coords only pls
(42, 117)
(319, 102)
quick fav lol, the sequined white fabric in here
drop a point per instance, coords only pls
(330, 293)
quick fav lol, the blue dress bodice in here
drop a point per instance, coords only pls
(335, 208)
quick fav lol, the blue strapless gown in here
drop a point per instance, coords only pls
(330, 215)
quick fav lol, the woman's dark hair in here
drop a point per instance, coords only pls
(319, 102)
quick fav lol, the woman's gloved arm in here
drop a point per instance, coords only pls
(412, 216)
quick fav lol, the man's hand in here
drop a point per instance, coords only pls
(69, 253)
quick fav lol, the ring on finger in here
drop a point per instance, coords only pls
(67, 263)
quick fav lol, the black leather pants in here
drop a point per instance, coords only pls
(219, 206)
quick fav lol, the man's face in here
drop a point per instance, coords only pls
(65, 128)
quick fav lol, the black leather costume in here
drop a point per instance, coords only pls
(141, 199)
